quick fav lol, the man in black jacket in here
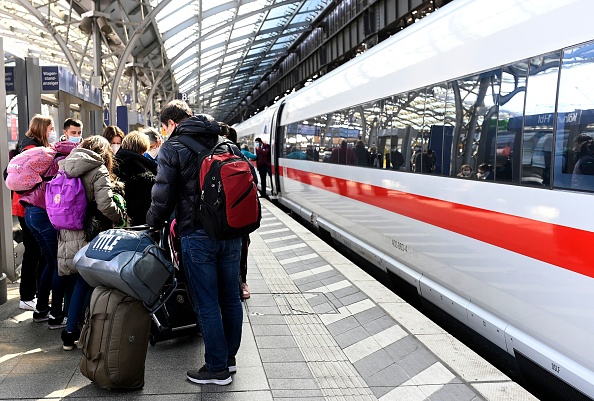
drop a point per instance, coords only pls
(211, 265)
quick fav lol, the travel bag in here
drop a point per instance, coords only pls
(114, 340)
(130, 261)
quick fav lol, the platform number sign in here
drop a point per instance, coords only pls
(183, 96)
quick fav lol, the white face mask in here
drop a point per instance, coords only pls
(115, 147)
(52, 137)
(75, 139)
(153, 152)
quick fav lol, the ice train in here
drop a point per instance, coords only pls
(502, 90)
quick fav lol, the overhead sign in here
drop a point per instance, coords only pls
(55, 79)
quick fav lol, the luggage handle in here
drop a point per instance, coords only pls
(164, 298)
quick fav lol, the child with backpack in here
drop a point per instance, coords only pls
(40, 130)
(93, 163)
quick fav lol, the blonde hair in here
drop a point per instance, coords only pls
(101, 146)
(136, 142)
(38, 129)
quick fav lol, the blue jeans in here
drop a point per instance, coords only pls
(78, 304)
(47, 237)
(212, 271)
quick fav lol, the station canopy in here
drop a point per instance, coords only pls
(212, 52)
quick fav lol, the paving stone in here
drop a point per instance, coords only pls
(417, 361)
(403, 347)
(286, 355)
(370, 314)
(455, 392)
(351, 337)
(279, 342)
(380, 324)
(353, 298)
(288, 370)
(373, 363)
(343, 325)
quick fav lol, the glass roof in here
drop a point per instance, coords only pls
(217, 59)
(214, 51)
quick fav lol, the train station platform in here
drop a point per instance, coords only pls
(316, 327)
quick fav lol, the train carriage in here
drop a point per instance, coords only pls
(504, 88)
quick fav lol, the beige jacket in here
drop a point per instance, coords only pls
(89, 166)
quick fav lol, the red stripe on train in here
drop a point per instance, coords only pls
(551, 243)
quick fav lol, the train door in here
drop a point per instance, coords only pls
(276, 144)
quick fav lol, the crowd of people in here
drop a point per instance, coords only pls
(129, 180)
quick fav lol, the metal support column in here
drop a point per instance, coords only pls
(7, 267)
(96, 122)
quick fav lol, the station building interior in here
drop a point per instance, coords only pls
(118, 62)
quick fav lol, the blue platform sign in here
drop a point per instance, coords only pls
(9, 79)
(50, 80)
(106, 116)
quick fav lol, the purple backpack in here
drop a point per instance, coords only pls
(66, 202)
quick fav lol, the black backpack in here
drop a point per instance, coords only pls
(228, 206)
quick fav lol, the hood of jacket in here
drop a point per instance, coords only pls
(28, 142)
(206, 131)
(80, 161)
(65, 147)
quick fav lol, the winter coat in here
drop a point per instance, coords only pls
(178, 175)
(87, 165)
(138, 175)
(26, 143)
(36, 196)
(343, 155)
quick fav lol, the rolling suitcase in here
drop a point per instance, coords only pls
(114, 340)
(176, 317)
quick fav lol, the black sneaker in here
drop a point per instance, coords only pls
(231, 364)
(56, 322)
(69, 340)
(203, 376)
(42, 316)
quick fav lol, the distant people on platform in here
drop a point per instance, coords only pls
(571, 155)
(312, 153)
(155, 144)
(485, 172)
(584, 166)
(264, 165)
(362, 155)
(93, 163)
(425, 162)
(396, 158)
(138, 175)
(375, 158)
(72, 130)
(343, 154)
(466, 172)
(115, 136)
(296, 154)
(246, 152)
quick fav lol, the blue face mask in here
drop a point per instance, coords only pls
(75, 139)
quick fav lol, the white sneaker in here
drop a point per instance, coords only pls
(28, 305)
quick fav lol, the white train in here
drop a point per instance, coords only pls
(503, 87)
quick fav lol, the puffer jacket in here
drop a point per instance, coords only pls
(87, 165)
(138, 175)
(36, 196)
(178, 175)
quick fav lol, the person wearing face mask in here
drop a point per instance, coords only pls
(72, 130)
(41, 129)
(466, 172)
(115, 136)
(155, 144)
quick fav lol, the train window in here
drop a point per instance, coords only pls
(475, 99)
(407, 123)
(508, 142)
(537, 144)
(440, 138)
(302, 139)
(575, 120)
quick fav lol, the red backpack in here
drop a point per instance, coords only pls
(229, 206)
